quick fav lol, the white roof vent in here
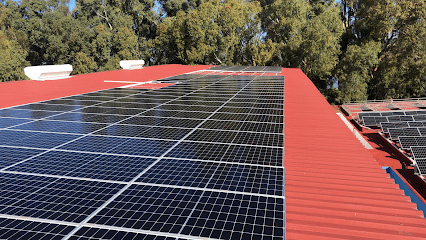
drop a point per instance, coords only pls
(48, 72)
(132, 64)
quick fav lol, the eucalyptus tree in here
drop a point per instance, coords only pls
(388, 39)
(12, 53)
(307, 36)
(216, 32)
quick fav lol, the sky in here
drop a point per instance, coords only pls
(71, 5)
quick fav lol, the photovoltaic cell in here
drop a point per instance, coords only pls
(29, 230)
(394, 133)
(9, 156)
(400, 119)
(212, 136)
(421, 164)
(180, 173)
(88, 233)
(419, 118)
(85, 165)
(150, 208)
(407, 142)
(123, 130)
(418, 151)
(9, 122)
(52, 198)
(385, 126)
(47, 107)
(147, 121)
(61, 127)
(165, 133)
(422, 131)
(201, 151)
(43, 140)
(128, 146)
(417, 124)
(374, 121)
(259, 139)
(250, 179)
(419, 154)
(178, 122)
(228, 153)
(25, 113)
(236, 216)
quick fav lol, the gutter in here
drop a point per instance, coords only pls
(408, 189)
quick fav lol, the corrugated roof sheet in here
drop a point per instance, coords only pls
(334, 187)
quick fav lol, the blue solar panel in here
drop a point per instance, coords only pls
(10, 122)
(200, 159)
(150, 208)
(88, 233)
(10, 156)
(52, 198)
(85, 165)
(29, 230)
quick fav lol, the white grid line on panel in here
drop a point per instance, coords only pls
(128, 184)
(65, 177)
(82, 136)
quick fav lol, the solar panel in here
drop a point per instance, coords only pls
(27, 229)
(422, 131)
(203, 158)
(419, 117)
(417, 124)
(419, 154)
(392, 113)
(397, 118)
(407, 142)
(92, 233)
(395, 133)
(374, 121)
(417, 112)
(267, 69)
(386, 125)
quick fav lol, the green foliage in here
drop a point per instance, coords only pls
(370, 49)
(83, 64)
(13, 59)
(355, 71)
(307, 34)
(214, 33)
(398, 29)
(12, 54)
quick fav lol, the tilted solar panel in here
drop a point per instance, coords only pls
(407, 142)
(386, 125)
(202, 159)
(419, 155)
(395, 133)
(374, 121)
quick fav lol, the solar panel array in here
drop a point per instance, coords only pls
(406, 127)
(199, 159)
(265, 69)
(395, 133)
(419, 154)
(390, 113)
(376, 118)
(377, 121)
(386, 126)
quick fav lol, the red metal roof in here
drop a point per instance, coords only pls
(22, 92)
(334, 187)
